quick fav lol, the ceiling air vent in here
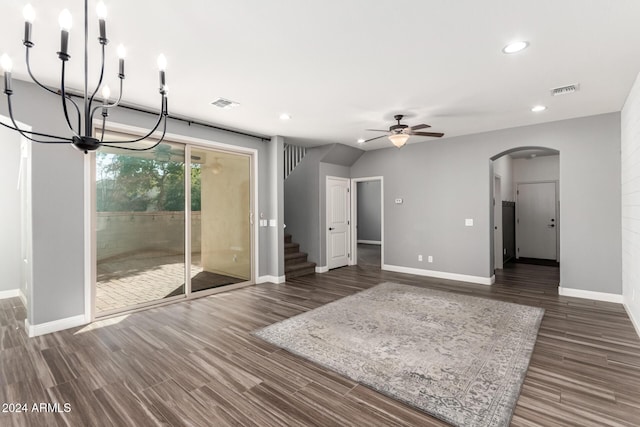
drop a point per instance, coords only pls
(565, 90)
(224, 103)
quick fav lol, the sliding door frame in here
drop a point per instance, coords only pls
(91, 220)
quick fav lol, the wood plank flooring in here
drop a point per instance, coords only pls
(195, 363)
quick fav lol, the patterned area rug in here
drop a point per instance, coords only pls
(459, 358)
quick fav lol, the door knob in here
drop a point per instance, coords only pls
(551, 225)
(331, 228)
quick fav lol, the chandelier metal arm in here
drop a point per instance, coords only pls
(164, 131)
(107, 106)
(62, 140)
(24, 132)
(48, 89)
(163, 113)
(64, 103)
(93, 95)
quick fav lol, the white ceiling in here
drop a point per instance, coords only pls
(340, 67)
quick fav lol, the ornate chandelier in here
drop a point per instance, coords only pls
(81, 135)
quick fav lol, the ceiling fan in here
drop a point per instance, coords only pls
(400, 133)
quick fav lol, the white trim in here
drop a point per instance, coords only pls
(12, 293)
(634, 321)
(54, 326)
(90, 248)
(23, 298)
(322, 269)
(370, 242)
(270, 279)
(598, 296)
(441, 274)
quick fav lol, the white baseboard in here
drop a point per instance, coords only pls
(12, 293)
(634, 320)
(322, 269)
(270, 279)
(23, 298)
(54, 326)
(598, 296)
(441, 274)
(370, 242)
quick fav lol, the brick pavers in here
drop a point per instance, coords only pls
(140, 278)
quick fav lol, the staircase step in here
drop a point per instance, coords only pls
(301, 269)
(295, 258)
(287, 238)
(291, 248)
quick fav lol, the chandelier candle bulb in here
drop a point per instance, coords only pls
(65, 22)
(101, 11)
(122, 52)
(29, 15)
(7, 65)
(162, 65)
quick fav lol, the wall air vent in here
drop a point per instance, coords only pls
(224, 103)
(565, 90)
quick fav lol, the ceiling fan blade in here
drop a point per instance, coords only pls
(377, 130)
(377, 137)
(417, 127)
(434, 134)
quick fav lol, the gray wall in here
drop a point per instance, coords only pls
(305, 196)
(369, 214)
(58, 200)
(10, 214)
(445, 181)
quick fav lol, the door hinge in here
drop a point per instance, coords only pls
(518, 249)
(348, 190)
(348, 255)
(517, 191)
(518, 221)
(348, 222)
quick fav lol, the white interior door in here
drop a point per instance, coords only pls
(537, 221)
(337, 222)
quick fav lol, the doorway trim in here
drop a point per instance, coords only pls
(91, 220)
(354, 217)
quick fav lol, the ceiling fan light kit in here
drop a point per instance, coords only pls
(400, 133)
(399, 139)
(81, 131)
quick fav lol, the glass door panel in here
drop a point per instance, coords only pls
(220, 219)
(140, 225)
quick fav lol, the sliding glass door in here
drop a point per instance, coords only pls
(220, 219)
(142, 224)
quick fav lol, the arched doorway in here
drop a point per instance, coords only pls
(525, 207)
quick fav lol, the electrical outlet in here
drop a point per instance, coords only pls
(430, 259)
(420, 258)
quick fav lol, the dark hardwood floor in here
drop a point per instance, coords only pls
(195, 363)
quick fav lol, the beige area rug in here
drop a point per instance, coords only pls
(459, 358)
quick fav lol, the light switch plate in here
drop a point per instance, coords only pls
(272, 223)
(468, 222)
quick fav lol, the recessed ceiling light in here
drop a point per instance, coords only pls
(360, 140)
(515, 47)
(285, 116)
(538, 108)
